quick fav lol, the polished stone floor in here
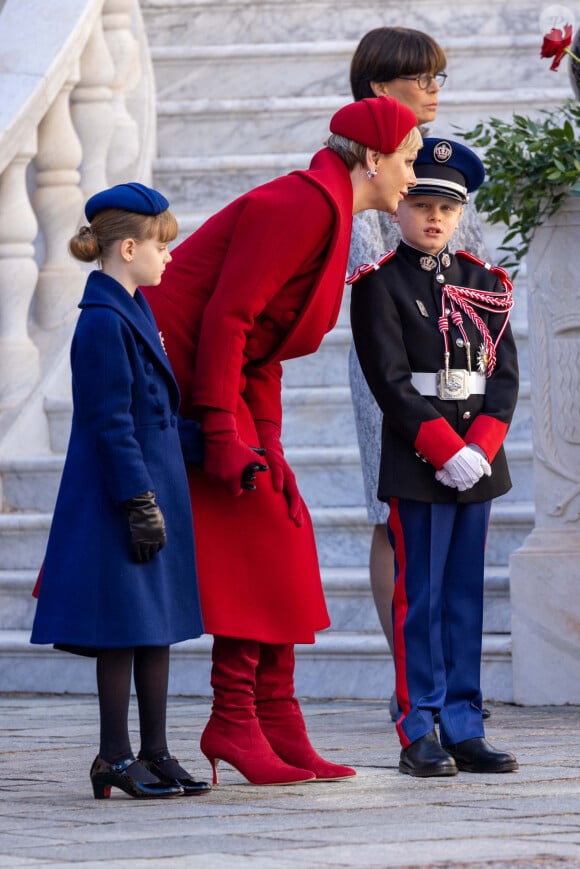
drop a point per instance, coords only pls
(48, 817)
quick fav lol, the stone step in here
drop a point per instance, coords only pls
(206, 184)
(31, 482)
(273, 125)
(343, 533)
(331, 476)
(347, 592)
(276, 125)
(58, 411)
(23, 539)
(235, 71)
(17, 605)
(324, 416)
(319, 415)
(184, 71)
(327, 476)
(351, 607)
(327, 367)
(351, 665)
(200, 23)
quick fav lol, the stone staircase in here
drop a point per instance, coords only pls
(245, 91)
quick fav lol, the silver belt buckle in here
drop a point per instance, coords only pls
(455, 387)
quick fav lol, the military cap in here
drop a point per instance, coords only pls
(128, 197)
(380, 123)
(447, 168)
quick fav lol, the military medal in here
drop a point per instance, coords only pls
(482, 358)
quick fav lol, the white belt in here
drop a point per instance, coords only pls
(457, 386)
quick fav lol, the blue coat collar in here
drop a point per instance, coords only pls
(103, 291)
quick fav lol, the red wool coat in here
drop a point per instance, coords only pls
(261, 281)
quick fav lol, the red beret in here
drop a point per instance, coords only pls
(380, 123)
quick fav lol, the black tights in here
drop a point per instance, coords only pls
(150, 666)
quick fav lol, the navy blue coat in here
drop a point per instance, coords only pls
(124, 441)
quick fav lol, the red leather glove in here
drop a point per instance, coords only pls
(283, 478)
(226, 456)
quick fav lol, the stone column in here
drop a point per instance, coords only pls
(545, 571)
(92, 111)
(58, 203)
(19, 359)
(124, 49)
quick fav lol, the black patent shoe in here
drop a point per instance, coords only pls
(477, 755)
(161, 767)
(105, 775)
(425, 757)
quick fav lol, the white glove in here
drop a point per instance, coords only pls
(464, 469)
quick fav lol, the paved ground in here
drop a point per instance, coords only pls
(48, 817)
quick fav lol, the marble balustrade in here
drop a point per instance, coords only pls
(78, 119)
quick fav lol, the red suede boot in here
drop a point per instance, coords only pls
(280, 715)
(233, 732)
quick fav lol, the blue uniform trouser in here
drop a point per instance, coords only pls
(438, 616)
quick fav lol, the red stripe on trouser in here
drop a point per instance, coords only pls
(399, 612)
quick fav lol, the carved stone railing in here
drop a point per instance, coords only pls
(77, 114)
(545, 571)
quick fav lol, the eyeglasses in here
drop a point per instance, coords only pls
(424, 80)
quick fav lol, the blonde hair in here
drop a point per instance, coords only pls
(115, 224)
(355, 154)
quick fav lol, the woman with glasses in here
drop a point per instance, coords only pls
(408, 65)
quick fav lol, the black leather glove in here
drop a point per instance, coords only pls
(147, 526)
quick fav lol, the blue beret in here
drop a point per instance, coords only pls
(129, 197)
(446, 168)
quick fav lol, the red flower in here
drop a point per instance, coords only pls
(555, 44)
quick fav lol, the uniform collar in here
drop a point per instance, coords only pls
(431, 264)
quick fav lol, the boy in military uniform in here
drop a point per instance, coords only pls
(432, 334)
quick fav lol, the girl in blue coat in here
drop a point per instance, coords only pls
(119, 577)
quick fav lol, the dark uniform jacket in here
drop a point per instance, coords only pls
(394, 313)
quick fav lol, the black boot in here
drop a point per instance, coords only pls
(425, 758)
(477, 755)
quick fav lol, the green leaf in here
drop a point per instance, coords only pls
(531, 164)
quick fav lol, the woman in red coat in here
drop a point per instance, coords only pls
(261, 281)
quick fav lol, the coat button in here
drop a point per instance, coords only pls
(149, 368)
(459, 342)
(153, 388)
(289, 316)
(467, 414)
